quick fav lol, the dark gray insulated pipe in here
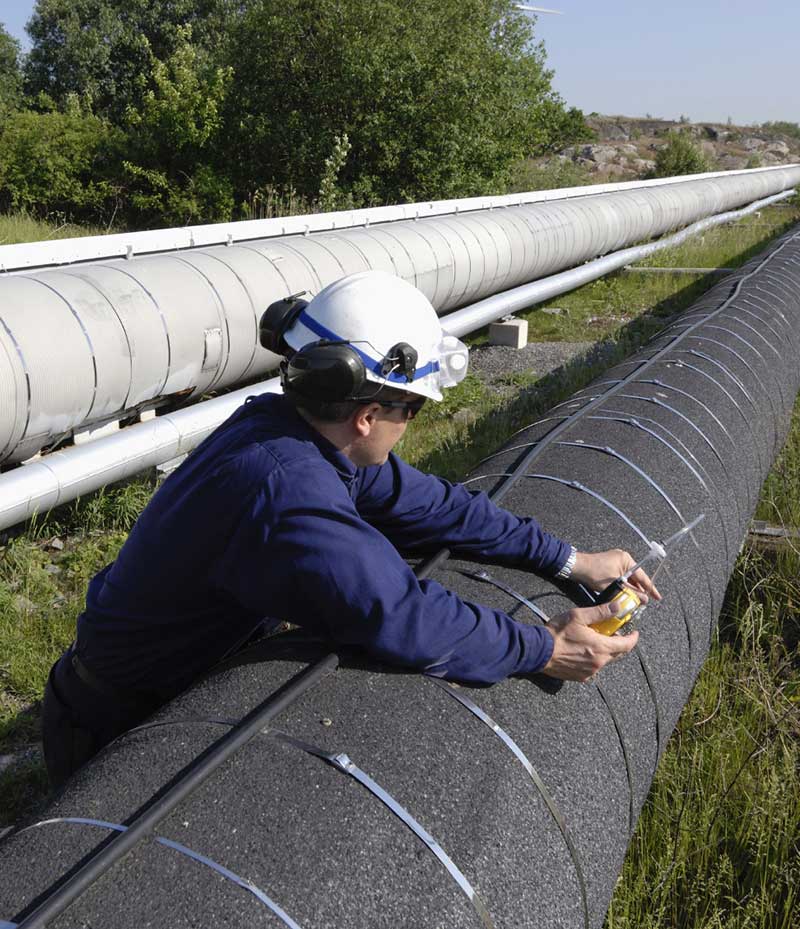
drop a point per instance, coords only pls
(388, 799)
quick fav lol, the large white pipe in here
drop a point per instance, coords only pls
(83, 345)
(58, 252)
(63, 476)
(483, 312)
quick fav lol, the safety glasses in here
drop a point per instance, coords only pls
(412, 407)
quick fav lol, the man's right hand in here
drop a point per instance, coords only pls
(578, 651)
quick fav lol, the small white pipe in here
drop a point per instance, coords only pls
(62, 476)
(483, 312)
(57, 478)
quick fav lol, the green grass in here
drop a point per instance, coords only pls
(718, 843)
(22, 227)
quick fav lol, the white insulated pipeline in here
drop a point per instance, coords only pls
(132, 333)
(63, 476)
(520, 298)
(37, 255)
(87, 344)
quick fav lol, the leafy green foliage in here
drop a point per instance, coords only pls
(172, 140)
(338, 104)
(679, 155)
(437, 99)
(97, 49)
(10, 74)
(59, 163)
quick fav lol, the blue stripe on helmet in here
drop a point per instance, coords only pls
(370, 363)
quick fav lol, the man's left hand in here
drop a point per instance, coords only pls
(597, 570)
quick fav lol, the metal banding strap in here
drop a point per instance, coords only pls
(21, 356)
(83, 329)
(627, 419)
(685, 393)
(685, 364)
(507, 588)
(157, 305)
(626, 519)
(755, 331)
(725, 370)
(522, 758)
(612, 713)
(642, 656)
(639, 652)
(657, 383)
(342, 763)
(130, 352)
(182, 850)
(222, 317)
(683, 416)
(766, 341)
(751, 347)
(615, 454)
(747, 365)
(697, 429)
(374, 365)
(638, 423)
(759, 319)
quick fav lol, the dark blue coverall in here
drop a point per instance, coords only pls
(268, 519)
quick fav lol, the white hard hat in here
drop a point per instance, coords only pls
(377, 313)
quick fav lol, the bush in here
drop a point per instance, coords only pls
(60, 163)
(679, 155)
(782, 127)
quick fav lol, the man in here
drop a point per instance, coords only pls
(296, 509)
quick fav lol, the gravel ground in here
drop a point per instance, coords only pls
(494, 364)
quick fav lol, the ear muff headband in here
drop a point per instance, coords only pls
(377, 367)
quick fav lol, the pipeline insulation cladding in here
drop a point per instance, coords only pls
(380, 798)
(85, 345)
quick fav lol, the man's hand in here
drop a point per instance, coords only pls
(598, 569)
(579, 652)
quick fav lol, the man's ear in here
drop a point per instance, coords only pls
(364, 419)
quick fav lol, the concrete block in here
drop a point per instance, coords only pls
(510, 331)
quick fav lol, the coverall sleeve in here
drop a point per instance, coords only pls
(320, 565)
(421, 513)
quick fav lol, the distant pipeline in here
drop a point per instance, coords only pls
(379, 798)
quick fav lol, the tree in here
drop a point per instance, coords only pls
(10, 75)
(172, 140)
(679, 155)
(98, 49)
(436, 98)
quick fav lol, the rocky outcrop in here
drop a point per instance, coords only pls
(626, 147)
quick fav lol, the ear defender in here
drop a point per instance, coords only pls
(324, 371)
(278, 319)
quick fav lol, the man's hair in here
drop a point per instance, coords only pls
(339, 411)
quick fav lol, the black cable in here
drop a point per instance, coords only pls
(188, 781)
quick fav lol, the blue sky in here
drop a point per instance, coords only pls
(708, 59)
